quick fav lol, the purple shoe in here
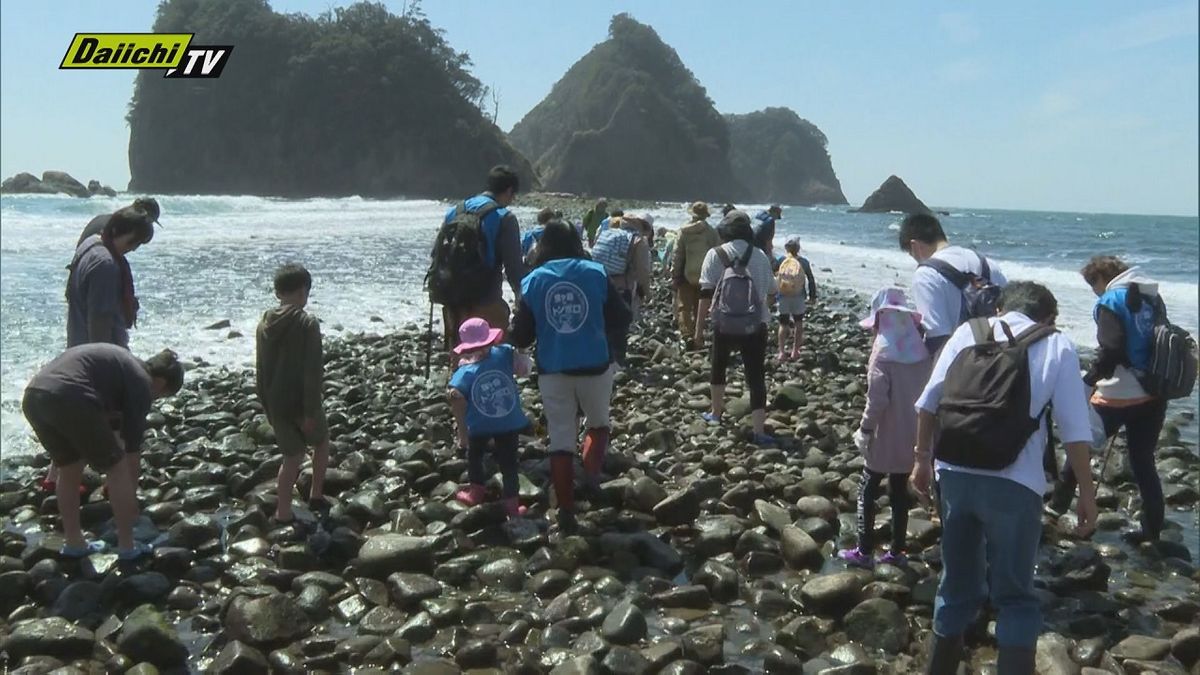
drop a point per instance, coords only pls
(894, 559)
(855, 557)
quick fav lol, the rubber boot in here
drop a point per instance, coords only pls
(595, 445)
(945, 655)
(1016, 661)
(562, 477)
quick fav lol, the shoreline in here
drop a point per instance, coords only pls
(697, 548)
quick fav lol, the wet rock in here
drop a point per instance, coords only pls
(705, 645)
(78, 600)
(418, 628)
(578, 665)
(660, 654)
(680, 508)
(476, 654)
(831, 594)
(817, 507)
(239, 658)
(624, 661)
(1054, 655)
(693, 597)
(54, 637)
(507, 574)
(625, 624)
(878, 624)
(771, 515)
(1185, 646)
(384, 554)
(780, 660)
(720, 580)
(1142, 648)
(144, 587)
(644, 494)
(147, 636)
(268, 620)
(799, 550)
(409, 589)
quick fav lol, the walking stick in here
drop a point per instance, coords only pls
(1112, 442)
(429, 343)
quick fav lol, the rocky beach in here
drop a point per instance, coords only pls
(698, 553)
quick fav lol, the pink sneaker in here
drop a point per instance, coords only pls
(513, 507)
(855, 557)
(895, 559)
(472, 495)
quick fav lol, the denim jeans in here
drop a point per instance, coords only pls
(991, 528)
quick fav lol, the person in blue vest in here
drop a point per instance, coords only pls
(764, 229)
(502, 249)
(571, 311)
(530, 239)
(487, 410)
(1127, 308)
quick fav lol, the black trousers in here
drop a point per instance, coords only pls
(505, 454)
(871, 489)
(754, 357)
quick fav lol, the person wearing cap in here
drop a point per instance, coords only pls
(696, 239)
(795, 279)
(571, 310)
(101, 304)
(764, 229)
(624, 251)
(487, 410)
(896, 375)
(147, 205)
(592, 219)
(738, 237)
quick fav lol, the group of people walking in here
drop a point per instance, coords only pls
(962, 379)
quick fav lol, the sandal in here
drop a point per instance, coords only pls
(711, 418)
(130, 554)
(81, 552)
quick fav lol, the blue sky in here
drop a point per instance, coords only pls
(1088, 106)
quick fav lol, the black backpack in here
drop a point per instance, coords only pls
(1172, 370)
(980, 296)
(984, 410)
(458, 272)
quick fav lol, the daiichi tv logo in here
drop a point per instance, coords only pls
(173, 53)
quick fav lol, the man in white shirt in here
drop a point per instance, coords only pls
(992, 520)
(735, 230)
(938, 300)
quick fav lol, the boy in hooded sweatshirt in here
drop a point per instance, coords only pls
(896, 374)
(290, 368)
(1127, 307)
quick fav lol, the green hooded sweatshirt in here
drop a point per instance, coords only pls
(290, 364)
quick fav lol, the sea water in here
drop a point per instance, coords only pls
(213, 259)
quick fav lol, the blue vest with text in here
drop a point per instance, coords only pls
(567, 300)
(1139, 326)
(493, 400)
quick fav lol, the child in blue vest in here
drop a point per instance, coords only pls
(487, 409)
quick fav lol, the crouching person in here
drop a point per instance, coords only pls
(70, 403)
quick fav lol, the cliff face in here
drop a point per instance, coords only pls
(781, 157)
(357, 101)
(630, 120)
(894, 195)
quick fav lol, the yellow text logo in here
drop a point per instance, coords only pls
(126, 50)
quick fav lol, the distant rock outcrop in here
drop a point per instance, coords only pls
(356, 101)
(53, 182)
(781, 157)
(894, 195)
(630, 120)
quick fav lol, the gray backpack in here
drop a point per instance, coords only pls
(736, 304)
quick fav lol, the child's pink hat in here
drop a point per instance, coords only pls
(888, 298)
(476, 334)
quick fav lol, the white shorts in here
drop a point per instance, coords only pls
(562, 398)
